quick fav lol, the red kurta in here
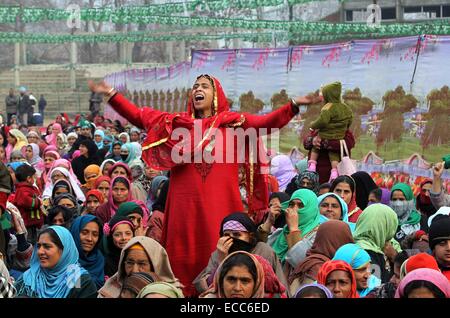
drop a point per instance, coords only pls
(200, 195)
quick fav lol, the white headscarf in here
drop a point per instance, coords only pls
(73, 182)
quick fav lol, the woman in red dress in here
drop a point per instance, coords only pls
(201, 192)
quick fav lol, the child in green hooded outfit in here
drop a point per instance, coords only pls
(335, 118)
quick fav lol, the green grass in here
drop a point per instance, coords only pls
(389, 151)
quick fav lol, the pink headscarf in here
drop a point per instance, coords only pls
(111, 205)
(52, 139)
(63, 163)
(431, 275)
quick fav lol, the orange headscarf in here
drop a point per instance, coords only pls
(91, 169)
(331, 266)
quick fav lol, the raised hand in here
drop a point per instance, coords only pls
(438, 169)
(223, 246)
(102, 87)
(291, 219)
(308, 100)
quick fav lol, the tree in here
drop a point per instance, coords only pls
(250, 104)
(279, 99)
(359, 104)
(436, 131)
(391, 129)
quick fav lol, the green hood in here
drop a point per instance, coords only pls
(332, 92)
(375, 226)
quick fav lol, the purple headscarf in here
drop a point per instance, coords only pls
(281, 168)
(327, 292)
(385, 196)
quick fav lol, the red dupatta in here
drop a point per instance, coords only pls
(158, 145)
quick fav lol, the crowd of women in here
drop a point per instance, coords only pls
(82, 215)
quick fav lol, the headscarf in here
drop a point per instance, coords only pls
(35, 160)
(52, 138)
(15, 165)
(301, 165)
(240, 217)
(63, 163)
(102, 166)
(49, 186)
(156, 183)
(157, 256)
(161, 288)
(131, 153)
(364, 184)
(54, 282)
(281, 167)
(96, 193)
(376, 225)
(94, 262)
(327, 292)
(72, 134)
(330, 236)
(331, 266)
(64, 141)
(216, 290)
(124, 134)
(311, 176)
(111, 204)
(344, 209)
(68, 213)
(385, 196)
(273, 288)
(423, 201)
(308, 217)
(110, 139)
(112, 156)
(21, 142)
(412, 217)
(160, 203)
(356, 257)
(100, 180)
(121, 164)
(426, 274)
(62, 184)
(91, 169)
(100, 133)
(18, 154)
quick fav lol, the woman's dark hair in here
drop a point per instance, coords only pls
(422, 284)
(311, 291)
(238, 259)
(53, 237)
(377, 193)
(5, 141)
(123, 180)
(343, 179)
(325, 186)
(57, 209)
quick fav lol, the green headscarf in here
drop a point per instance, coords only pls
(414, 217)
(375, 226)
(446, 160)
(128, 208)
(309, 219)
(162, 288)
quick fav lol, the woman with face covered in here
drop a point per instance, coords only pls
(88, 156)
(404, 205)
(237, 233)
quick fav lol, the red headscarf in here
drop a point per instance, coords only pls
(158, 145)
(96, 193)
(272, 286)
(100, 180)
(331, 266)
(121, 164)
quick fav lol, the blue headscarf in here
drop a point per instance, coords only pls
(110, 139)
(94, 263)
(131, 153)
(16, 164)
(344, 209)
(58, 281)
(101, 133)
(357, 257)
